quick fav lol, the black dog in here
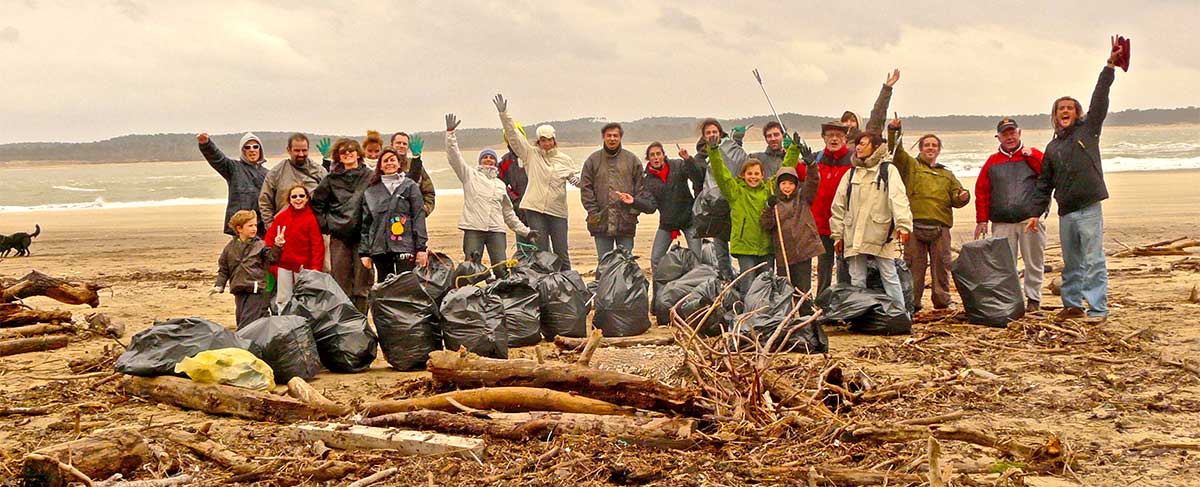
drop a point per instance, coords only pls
(19, 241)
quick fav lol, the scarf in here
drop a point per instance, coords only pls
(839, 154)
(391, 181)
(662, 174)
(612, 152)
(489, 172)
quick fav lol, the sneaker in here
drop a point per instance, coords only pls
(1033, 306)
(1069, 314)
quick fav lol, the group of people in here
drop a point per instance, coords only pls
(862, 201)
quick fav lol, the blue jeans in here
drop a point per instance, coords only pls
(605, 245)
(887, 273)
(662, 243)
(746, 262)
(1085, 272)
(553, 231)
(474, 241)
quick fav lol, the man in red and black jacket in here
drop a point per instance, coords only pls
(1002, 197)
(832, 164)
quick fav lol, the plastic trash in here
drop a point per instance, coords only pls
(622, 303)
(868, 311)
(522, 309)
(701, 298)
(986, 277)
(679, 287)
(676, 262)
(437, 275)
(565, 304)
(770, 320)
(286, 343)
(906, 282)
(710, 214)
(345, 342)
(407, 321)
(474, 319)
(229, 366)
(156, 350)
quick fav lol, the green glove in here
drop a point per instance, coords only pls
(738, 132)
(415, 144)
(787, 141)
(806, 153)
(323, 147)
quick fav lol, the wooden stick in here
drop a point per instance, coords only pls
(523, 426)
(405, 442)
(70, 470)
(935, 464)
(301, 390)
(571, 343)
(33, 330)
(510, 399)
(177, 480)
(212, 450)
(37, 284)
(374, 478)
(15, 315)
(941, 418)
(593, 341)
(36, 344)
(18, 411)
(100, 456)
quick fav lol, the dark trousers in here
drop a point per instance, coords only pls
(802, 279)
(521, 215)
(474, 241)
(825, 266)
(930, 247)
(249, 307)
(345, 265)
(553, 232)
(388, 264)
(745, 263)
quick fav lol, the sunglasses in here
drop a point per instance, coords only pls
(299, 196)
(251, 147)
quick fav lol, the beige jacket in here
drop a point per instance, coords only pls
(486, 207)
(863, 227)
(274, 198)
(548, 172)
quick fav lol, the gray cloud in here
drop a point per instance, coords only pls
(357, 64)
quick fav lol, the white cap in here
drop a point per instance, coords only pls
(545, 132)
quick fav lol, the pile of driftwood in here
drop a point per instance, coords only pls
(1176, 246)
(26, 329)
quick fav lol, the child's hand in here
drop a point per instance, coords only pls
(279, 240)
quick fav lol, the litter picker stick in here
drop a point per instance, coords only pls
(782, 247)
(758, 77)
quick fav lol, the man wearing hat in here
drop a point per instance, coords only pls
(1003, 197)
(549, 170)
(832, 164)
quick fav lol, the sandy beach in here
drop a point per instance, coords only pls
(160, 263)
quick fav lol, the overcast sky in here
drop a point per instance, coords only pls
(81, 71)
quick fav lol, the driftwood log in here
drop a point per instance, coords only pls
(14, 314)
(1007, 447)
(1177, 246)
(33, 330)
(305, 393)
(221, 399)
(470, 370)
(37, 284)
(523, 426)
(35, 344)
(406, 442)
(100, 456)
(508, 399)
(571, 343)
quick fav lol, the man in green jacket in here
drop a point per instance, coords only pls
(933, 193)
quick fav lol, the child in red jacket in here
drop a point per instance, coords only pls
(305, 247)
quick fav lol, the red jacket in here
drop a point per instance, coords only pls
(1004, 190)
(304, 247)
(831, 171)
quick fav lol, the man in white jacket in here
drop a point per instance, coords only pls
(549, 171)
(867, 210)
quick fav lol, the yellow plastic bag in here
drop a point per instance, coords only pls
(229, 366)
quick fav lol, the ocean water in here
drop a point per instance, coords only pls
(32, 187)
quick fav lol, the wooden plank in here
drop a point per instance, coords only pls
(357, 437)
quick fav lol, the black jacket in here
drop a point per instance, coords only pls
(244, 179)
(672, 199)
(385, 214)
(243, 266)
(337, 203)
(515, 178)
(1071, 168)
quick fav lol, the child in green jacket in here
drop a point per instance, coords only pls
(747, 196)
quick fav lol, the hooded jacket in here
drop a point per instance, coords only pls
(746, 204)
(863, 222)
(1072, 169)
(393, 222)
(243, 178)
(798, 227)
(603, 173)
(337, 202)
(1004, 186)
(486, 206)
(548, 172)
(932, 190)
(304, 248)
(878, 114)
(672, 198)
(243, 265)
(273, 198)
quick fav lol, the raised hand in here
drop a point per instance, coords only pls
(202, 138)
(788, 140)
(501, 103)
(739, 132)
(806, 152)
(893, 78)
(415, 145)
(452, 122)
(279, 239)
(1117, 49)
(683, 153)
(323, 147)
(895, 124)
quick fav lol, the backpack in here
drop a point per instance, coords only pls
(882, 179)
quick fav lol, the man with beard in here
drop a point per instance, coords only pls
(297, 169)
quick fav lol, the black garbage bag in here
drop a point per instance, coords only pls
(470, 272)
(768, 304)
(155, 350)
(522, 309)
(286, 343)
(676, 262)
(868, 311)
(710, 214)
(906, 282)
(539, 261)
(474, 319)
(986, 277)
(407, 321)
(437, 275)
(344, 340)
(679, 287)
(565, 304)
(622, 303)
(702, 297)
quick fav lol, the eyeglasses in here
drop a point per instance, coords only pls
(251, 147)
(299, 196)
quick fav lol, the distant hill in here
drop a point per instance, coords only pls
(581, 131)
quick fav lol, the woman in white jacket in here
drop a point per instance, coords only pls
(486, 206)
